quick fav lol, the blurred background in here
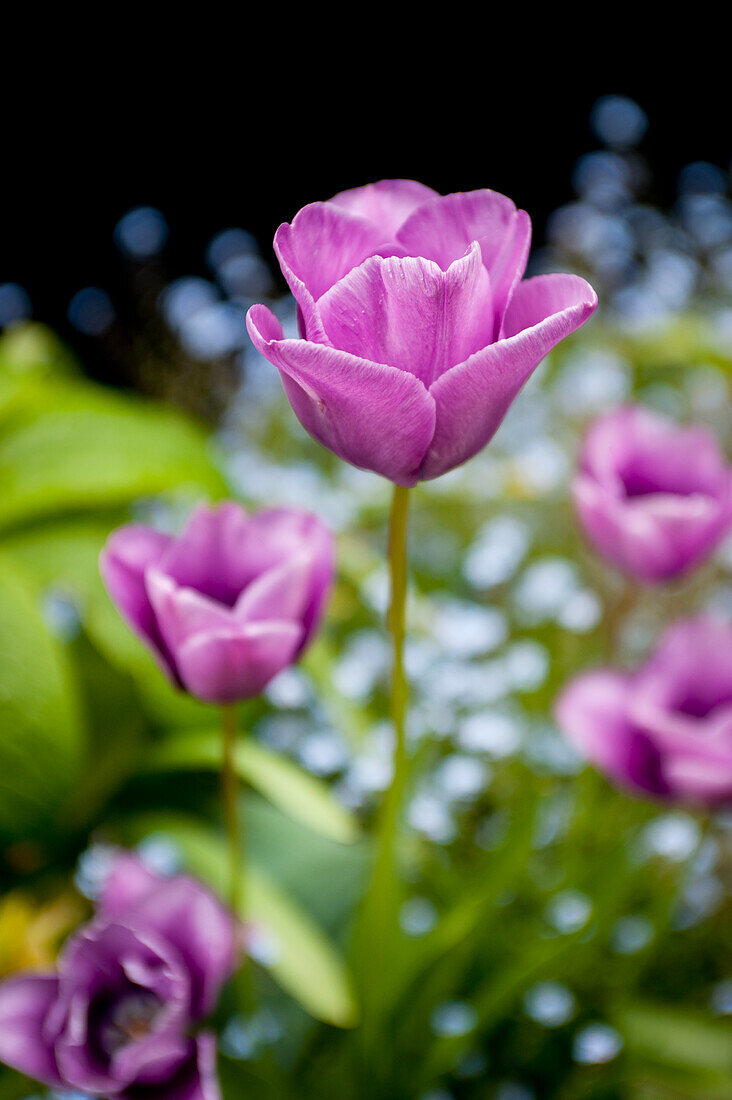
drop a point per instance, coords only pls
(561, 939)
(201, 166)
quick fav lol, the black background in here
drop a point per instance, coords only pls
(210, 162)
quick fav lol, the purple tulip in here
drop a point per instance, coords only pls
(417, 331)
(228, 603)
(116, 1019)
(652, 497)
(666, 729)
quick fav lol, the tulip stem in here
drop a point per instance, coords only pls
(397, 620)
(229, 796)
(378, 929)
(616, 616)
(244, 989)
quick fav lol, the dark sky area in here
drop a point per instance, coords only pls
(207, 169)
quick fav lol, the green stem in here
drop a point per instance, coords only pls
(243, 980)
(399, 689)
(229, 797)
(378, 929)
(616, 615)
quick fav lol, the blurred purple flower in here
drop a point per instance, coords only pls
(653, 498)
(417, 330)
(666, 729)
(228, 603)
(116, 1019)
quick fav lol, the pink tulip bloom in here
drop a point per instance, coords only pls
(228, 603)
(665, 730)
(653, 498)
(417, 331)
(119, 1017)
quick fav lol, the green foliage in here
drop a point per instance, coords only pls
(696, 1049)
(297, 953)
(96, 746)
(66, 445)
(290, 788)
(42, 738)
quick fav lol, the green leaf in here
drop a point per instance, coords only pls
(62, 555)
(677, 1037)
(303, 961)
(326, 878)
(33, 352)
(294, 791)
(13, 1086)
(41, 741)
(88, 449)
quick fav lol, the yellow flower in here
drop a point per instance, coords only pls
(30, 934)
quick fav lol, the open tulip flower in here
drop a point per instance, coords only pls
(118, 1018)
(654, 498)
(665, 730)
(417, 329)
(227, 604)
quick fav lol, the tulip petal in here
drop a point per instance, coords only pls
(634, 452)
(592, 712)
(386, 204)
(653, 498)
(152, 1061)
(506, 264)
(127, 882)
(323, 243)
(207, 555)
(682, 700)
(128, 553)
(184, 914)
(195, 1080)
(654, 537)
(686, 529)
(473, 398)
(281, 593)
(225, 666)
(549, 307)
(699, 777)
(627, 536)
(101, 963)
(690, 671)
(25, 1002)
(374, 416)
(265, 539)
(275, 535)
(442, 230)
(410, 314)
(184, 612)
(79, 1062)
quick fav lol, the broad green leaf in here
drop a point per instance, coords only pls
(165, 704)
(675, 1084)
(93, 449)
(33, 352)
(678, 1037)
(294, 791)
(303, 961)
(13, 1086)
(64, 556)
(32, 360)
(41, 740)
(325, 877)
